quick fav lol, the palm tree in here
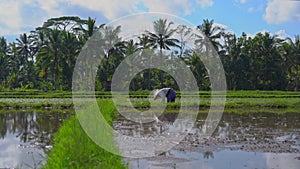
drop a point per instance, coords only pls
(3, 59)
(185, 33)
(70, 49)
(24, 47)
(196, 66)
(296, 58)
(91, 27)
(212, 34)
(130, 47)
(113, 54)
(50, 56)
(144, 43)
(271, 70)
(162, 39)
(208, 154)
(15, 64)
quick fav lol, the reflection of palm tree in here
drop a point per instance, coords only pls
(162, 39)
(3, 124)
(208, 154)
(31, 127)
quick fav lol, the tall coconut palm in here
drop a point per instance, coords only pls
(212, 33)
(50, 56)
(162, 39)
(268, 50)
(91, 27)
(24, 47)
(144, 43)
(113, 54)
(296, 58)
(130, 48)
(3, 59)
(26, 51)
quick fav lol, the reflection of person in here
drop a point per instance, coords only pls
(163, 93)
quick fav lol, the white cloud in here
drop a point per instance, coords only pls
(259, 8)
(242, 1)
(250, 35)
(135, 25)
(50, 7)
(13, 20)
(220, 25)
(173, 7)
(251, 9)
(10, 19)
(205, 3)
(279, 11)
(282, 34)
(111, 9)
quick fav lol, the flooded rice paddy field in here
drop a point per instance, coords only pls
(36, 100)
(26, 136)
(247, 140)
(254, 140)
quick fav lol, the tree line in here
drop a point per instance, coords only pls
(45, 58)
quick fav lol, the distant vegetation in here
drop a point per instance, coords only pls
(44, 59)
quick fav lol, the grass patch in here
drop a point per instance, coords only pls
(145, 94)
(37, 105)
(74, 149)
(231, 103)
(46, 111)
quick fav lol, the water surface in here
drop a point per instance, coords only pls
(26, 136)
(254, 140)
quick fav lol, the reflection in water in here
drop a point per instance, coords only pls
(25, 135)
(223, 159)
(208, 154)
(233, 127)
(256, 140)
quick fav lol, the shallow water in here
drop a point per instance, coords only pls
(254, 140)
(223, 159)
(26, 136)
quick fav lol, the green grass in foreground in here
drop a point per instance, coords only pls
(74, 149)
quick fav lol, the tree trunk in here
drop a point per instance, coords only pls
(160, 71)
(297, 78)
(149, 74)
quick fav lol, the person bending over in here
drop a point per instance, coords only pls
(163, 93)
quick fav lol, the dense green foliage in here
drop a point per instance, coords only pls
(44, 58)
(74, 149)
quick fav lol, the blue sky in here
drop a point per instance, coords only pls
(280, 17)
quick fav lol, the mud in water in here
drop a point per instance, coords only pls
(254, 140)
